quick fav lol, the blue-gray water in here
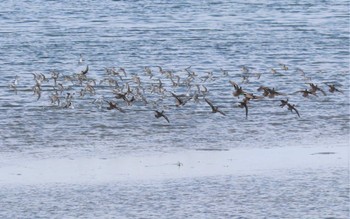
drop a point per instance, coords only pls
(44, 36)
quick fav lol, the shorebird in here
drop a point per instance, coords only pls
(84, 72)
(271, 93)
(177, 82)
(69, 101)
(266, 90)
(306, 93)
(110, 81)
(195, 97)
(224, 72)
(81, 60)
(55, 98)
(209, 76)
(37, 90)
(136, 79)
(238, 90)
(214, 109)
(161, 114)
(301, 71)
(283, 67)
(121, 69)
(244, 69)
(113, 105)
(263, 88)
(14, 84)
(200, 91)
(191, 74)
(120, 95)
(89, 88)
(112, 71)
(179, 101)
(54, 76)
(124, 96)
(98, 101)
(250, 96)
(315, 88)
(39, 78)
(148, 72)
(273, 71)
(283, 103)
(333, 89)
(160, 69)
(292, 107)
(245, 79)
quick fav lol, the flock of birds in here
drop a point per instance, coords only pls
(155, 84)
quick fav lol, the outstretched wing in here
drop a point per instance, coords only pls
(166, 118)
(296, 111)
(322, 91)
(246, 110)
(210, 104)
(85, 71)
(222, 113)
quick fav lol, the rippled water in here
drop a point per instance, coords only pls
(284, 196)
(210, 36)
(46, 36)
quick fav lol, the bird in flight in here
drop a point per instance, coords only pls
(161, 114)
(214, 109)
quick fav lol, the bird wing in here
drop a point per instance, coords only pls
(166, 118)
(296, 111)
(322, 91)
(233, 84)
(246, 110)
(222, 113)
(210, 104)
(86, 70)
(120, 109)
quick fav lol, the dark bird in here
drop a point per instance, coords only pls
(244, 104)
(113, 105)
(315, 88)
(250, 96)
(214, 109)
(292, 107)
(306, 93)
(263, 88)
(333, 89)
(274, 93)
(121, 96)
(161, 114)
(271, 93)
(238, 90)
(84, 72)
(283, 103)
(179, 101)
